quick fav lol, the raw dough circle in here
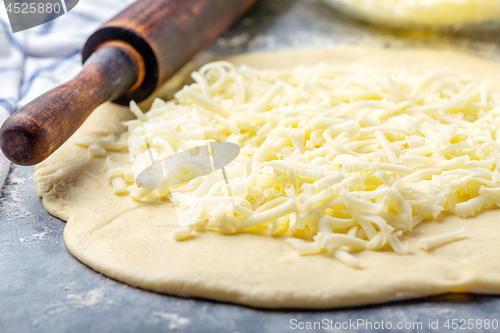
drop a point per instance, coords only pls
(131, 241)
(424, 14)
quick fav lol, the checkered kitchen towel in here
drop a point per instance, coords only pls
(38, 59)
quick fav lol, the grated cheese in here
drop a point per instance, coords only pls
(337, 160)
(438, 240)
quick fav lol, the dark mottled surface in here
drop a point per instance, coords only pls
(44, 289)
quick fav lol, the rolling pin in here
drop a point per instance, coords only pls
(125, 59)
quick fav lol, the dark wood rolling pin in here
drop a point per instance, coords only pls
(126, 59)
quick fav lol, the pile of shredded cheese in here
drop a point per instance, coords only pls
(430, 14)
(338, 159)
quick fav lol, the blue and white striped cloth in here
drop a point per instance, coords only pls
(38, 59)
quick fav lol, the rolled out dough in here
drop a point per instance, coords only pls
(131, 241)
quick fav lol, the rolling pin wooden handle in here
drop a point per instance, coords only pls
(35, 131)
(127, 58)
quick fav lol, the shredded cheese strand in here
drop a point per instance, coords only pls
(439, 240)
